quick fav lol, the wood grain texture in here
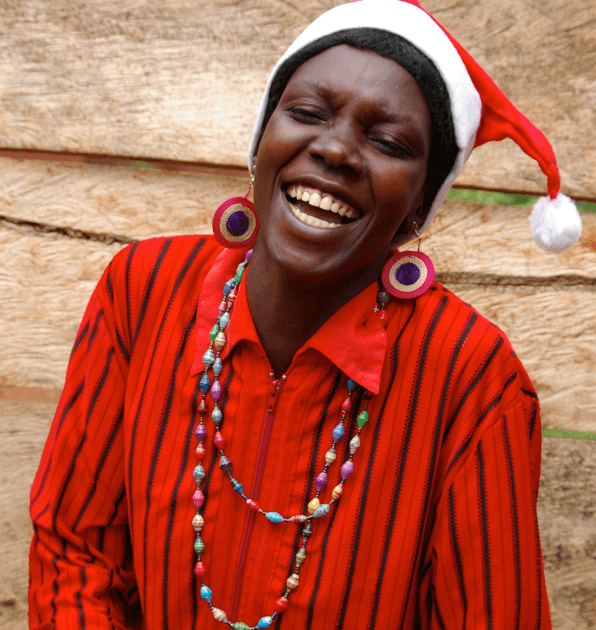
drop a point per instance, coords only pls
(23, 431)
(567, 516)
(566, 512)
(182, 80)
(493, 239)
(45, 283)
(133, 202)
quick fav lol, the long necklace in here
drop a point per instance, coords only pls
(316, 509)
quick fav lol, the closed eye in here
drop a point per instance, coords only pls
(305, 115)
(391, 148)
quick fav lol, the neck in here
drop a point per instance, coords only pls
(288, 311)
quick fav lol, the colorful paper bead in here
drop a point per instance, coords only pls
(274, 517)
(198, 498)
(253, 505)
(198, 474)
(354, 444)
(313, 505)
(219, 615)
(216, 390)
(337, 491)
(321, 480)
(197, 522)
(347, 469)
(322, 510)
(338, 432)
(293, 581)
(225, 464)
(199, 545)
(362, 418)
(330, 456)
(206, 593)
(281, 604)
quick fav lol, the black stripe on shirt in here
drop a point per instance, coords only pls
(149, 287)
(67, 407)
(488, 606)
(163, 423)
(515, 532)
(493, 403)
(78, 598)
(131, 253)
(456, 553)
(79, 338)
(482, 370)
(102, 460)
(436, 610)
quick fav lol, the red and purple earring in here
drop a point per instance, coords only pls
(235, 223)
(408, 274)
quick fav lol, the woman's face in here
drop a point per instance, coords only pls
(341, 165)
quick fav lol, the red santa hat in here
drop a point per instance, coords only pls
(480, 110)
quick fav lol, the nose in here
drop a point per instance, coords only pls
(337, 147)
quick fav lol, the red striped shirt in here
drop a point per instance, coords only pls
(436, 528)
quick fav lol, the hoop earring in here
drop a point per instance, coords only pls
(235, 223)
(408, 274)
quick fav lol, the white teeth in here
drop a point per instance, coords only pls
(305, 218)
(315, 200)
(326, 203)
(319, 199)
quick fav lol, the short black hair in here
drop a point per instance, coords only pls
(444, 149)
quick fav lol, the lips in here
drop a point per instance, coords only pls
(304, 199)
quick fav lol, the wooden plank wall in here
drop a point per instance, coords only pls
(177, 84)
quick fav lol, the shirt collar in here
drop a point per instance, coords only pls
(353, 338)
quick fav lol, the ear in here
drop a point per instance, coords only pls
(253, 164)
(407, 230)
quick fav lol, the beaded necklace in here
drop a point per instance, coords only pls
(316, 509)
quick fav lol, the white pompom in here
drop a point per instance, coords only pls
(555, 223)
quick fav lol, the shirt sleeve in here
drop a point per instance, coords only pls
(81, 572)
(487, 567)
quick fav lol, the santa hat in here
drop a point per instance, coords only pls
(480, 110)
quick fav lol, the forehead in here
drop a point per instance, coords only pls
(358, 73)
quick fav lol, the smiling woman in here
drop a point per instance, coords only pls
(276, 436)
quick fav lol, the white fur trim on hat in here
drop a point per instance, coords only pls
(555, 223)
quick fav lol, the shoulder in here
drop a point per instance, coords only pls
(151, 279)
(158, 264)
(466, 353)
(166, 254)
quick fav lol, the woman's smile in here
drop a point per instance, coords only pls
(341, 165)
(320, 209)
